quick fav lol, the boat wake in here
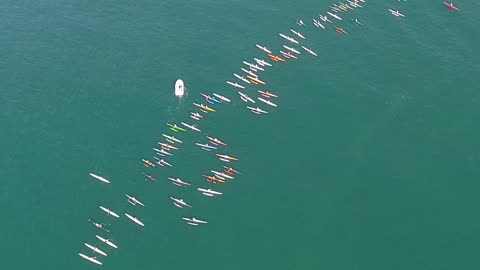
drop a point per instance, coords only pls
(177, 104)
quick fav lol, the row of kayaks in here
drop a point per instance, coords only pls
(176, 139)
(294, 38)
(97, 250)
(448, 5)
(211, 143)
(249, 75)
(333, 13)
(100, 251)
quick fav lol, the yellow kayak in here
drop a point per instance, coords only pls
(201, 106)
(253, 79)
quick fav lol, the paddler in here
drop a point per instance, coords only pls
(229, 170)
(99, 225)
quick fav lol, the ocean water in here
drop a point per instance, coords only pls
(369, 162)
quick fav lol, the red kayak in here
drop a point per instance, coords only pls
(450, 6)
(340, 30)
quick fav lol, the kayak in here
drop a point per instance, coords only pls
(396, 13)
(450, 6)
(263, 48)
(267, 102)
(192, 127)
(178, 181)
(222, 98)
(297, 33)
(134, 219)
(266, 93)
(235, 84)
(162, 162)
(255, 111)
(249, 72)
(291, 49)
(201, 106)
(95, 249)
(232, 169)
(147, 163)
(172, 138)
(99, 178)
(175, 127)
(255, 80)
(216, 141)
(276, 58)
(309, 51)
(90, 259)
(209, 191)
(210, 99)
(133, 200)
(340, 30)
(245, 97)
(109, 212)
(166, 145)
(199, 221)
(226, 157)
(356, 21)
(241, 78)
(106, 241)
(206, 145)
(221, 174)
(179, 202)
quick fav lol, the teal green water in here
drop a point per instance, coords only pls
(369, 162)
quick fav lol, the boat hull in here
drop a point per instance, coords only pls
(179, 88)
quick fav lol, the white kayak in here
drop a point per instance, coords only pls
(263, 48)
(206, 145)
(396, 13)
(179, 202)
(192, 127)
(171, 138)
(241, 78)
(179, 88)
(90, 259)
(133, 201)
(194, 220)
(310, 51)
(291, 49)
(95, 249)
(199, 221)
(297, 33)
(221, 174)
(109, 212)
(178, 181)
(106, 241)
(99, 178)
(262, 62)
(249, 72)
(334, 15)
(209, 191)
(245, 97)
(134, 219)
(222, 98)
(267, 102)
(236, 85)
(288, 38)
(256, 110)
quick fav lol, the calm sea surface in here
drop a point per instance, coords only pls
(370, 160)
